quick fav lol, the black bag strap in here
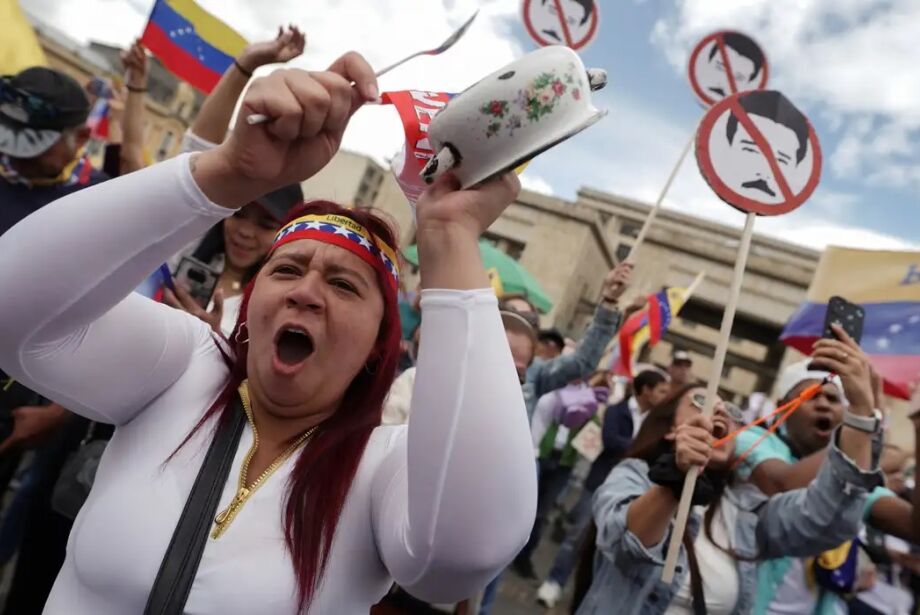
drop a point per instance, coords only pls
(180, 563)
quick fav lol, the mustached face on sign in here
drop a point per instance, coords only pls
(572, 23)
(759, 153)
(725, 63)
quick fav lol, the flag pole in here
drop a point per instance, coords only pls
(694, 285)
(686, 496)
(664, 192)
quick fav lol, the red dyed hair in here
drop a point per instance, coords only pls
(324, 471)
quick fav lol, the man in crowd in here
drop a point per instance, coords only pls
(42, 133)
(790, 459)
(620, 425)
(681, 369)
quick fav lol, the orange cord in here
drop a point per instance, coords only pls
(737, 462)
(786, 410)
(804, 396)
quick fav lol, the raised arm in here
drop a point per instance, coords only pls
(774, 476)
(73, 330)
(808, 521)
(213, 119)
(556, 373)
(455, 500)
(805, 522)
(131, 157)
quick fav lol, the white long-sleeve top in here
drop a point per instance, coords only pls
(440, 505)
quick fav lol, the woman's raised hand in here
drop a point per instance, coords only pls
(309, 111)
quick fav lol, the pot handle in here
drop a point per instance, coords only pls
(597, 78)
(442, 162)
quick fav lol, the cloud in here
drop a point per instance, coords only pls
(847, 60)
(857, 53)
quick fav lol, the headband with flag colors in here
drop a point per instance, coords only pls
(345, 233)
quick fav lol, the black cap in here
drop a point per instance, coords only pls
(281, 201)
(36, 105)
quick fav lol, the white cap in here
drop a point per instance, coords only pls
(797, 373)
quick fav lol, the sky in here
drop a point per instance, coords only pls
(849, 65)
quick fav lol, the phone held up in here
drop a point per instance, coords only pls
(849, 316)
(197, 278)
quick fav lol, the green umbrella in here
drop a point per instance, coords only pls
(514, 278)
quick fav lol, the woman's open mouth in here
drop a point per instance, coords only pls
(719, 427)
(293, 346)
(824, 425)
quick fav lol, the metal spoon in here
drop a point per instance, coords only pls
(258, 118)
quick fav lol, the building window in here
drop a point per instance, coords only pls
(623, 251)
(512, 248)
(630, 229)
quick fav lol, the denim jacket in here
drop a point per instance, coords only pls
(800, 523)
(546, 376)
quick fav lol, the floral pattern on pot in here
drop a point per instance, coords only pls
(533, 103)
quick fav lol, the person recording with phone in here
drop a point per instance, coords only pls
(211, 276)
(791, 458)
(730, 528)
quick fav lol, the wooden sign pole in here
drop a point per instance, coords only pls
(664, 192)
(683, 508)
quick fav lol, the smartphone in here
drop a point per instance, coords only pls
(198, 279)
(848, 315)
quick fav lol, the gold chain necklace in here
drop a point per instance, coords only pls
(225, 517)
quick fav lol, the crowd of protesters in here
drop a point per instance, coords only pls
(425, 440)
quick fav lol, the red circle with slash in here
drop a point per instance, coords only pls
(791, 200)
(706, 96)
(577, 39)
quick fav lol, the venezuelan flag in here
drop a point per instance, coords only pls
(191, 42)
(647, 325)
(887, 285)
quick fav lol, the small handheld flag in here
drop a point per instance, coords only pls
(649, 324)
(191, 42)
